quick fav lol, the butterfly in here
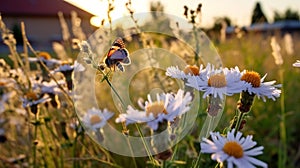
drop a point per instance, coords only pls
(118, 55)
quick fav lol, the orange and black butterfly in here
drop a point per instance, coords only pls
(117, 55)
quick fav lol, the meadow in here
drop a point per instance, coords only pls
(39, 124)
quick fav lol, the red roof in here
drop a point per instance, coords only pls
(39, 8)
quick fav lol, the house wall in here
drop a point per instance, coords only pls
(42, 31)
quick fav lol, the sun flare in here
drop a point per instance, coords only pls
(99, 9)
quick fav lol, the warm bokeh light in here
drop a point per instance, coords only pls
(239, 13)
(96, 21)
(99, 9)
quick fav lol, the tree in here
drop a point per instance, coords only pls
(258, 16)
(289, 14)
(218, 23)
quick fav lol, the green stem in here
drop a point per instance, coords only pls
(283, 140)
(145, 144)
(197, 161)
(197, 46)
(174, 153)
(74, 151)
(238, 121)
(114, 90)
(35, 137)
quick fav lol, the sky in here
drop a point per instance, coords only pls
(239, 11)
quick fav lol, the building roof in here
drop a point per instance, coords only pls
(39, 8)
(286, 24)
(264, 27)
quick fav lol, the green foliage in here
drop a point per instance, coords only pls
(289, 14)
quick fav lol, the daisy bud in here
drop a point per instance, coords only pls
(245, 102)
(164, 155)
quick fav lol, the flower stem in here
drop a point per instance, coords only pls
(75, 164)
(145, 144)
(35, 137)
(197, 161)
(283, 141)
(196, 58)
(238, 121)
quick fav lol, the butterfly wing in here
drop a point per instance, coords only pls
(119, 43)
(120, 66)
(120, 55)
(126, 61)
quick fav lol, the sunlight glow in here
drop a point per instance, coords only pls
(99, 9)
(96, 21)
(240, 13)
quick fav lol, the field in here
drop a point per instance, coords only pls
(43, 124)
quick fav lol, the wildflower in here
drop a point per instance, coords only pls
(76, 126)
(276, 51)
(51, 89)
(188, 72)
(32, 100)
(234, 149)
(18, 75)
(166, 107)
(67, 70)
(95, 119)
(297, 64)
(217, 82)
(66, 67)
(46, 58)
(257, 86)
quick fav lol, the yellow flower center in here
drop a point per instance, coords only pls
(252, 77)
(95, 119)
(65, 63)
(156, 108)
(45, 55)
(217, 81)
(2, 84)
(31, 96)
(194, 70)
(234, 149)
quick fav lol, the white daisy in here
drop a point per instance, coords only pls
(77, 67)
(47, 87)
(32, 99)
(297, 64)
(234, 149)
(95, 119)
(166, 107)
(257, 86)
(217, 82)
(188, 72)
(4, 98)
(46, 58)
